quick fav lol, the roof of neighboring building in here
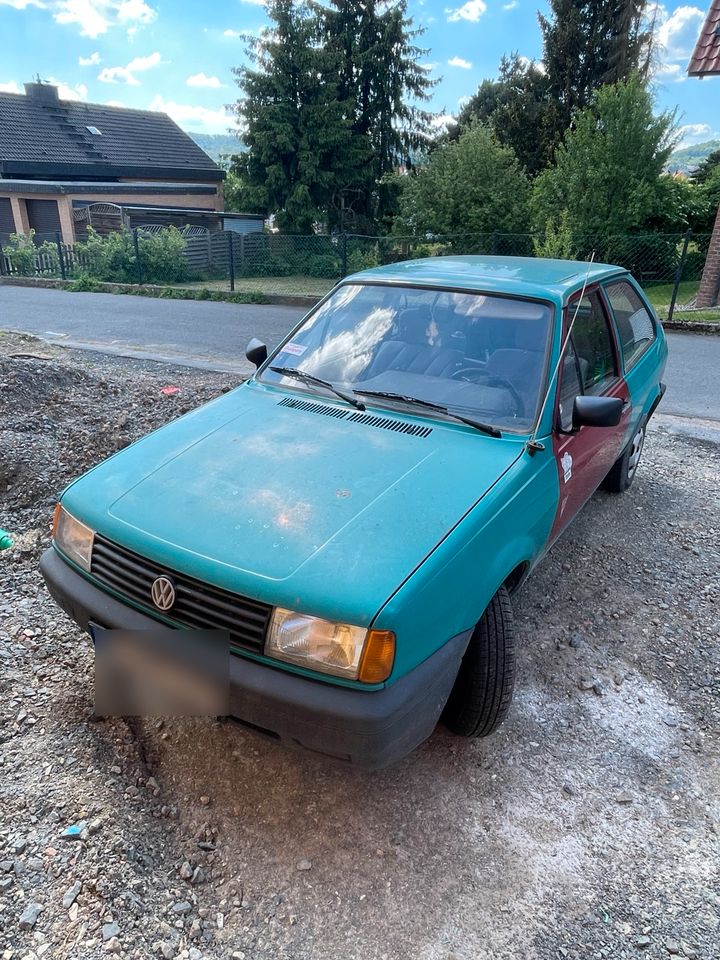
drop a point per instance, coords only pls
(43, 136)
(523, 276)
(705, 60)
(81, 187)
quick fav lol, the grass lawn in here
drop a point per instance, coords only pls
(661, 294)
(283, 286)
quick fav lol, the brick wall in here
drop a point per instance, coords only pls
(709, 289)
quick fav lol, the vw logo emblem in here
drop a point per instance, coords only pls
(163, 593)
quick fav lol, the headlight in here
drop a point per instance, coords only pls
(73, 538)
(336, 648)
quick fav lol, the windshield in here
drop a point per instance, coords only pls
(477, 355)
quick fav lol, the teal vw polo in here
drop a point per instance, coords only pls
(355, 515)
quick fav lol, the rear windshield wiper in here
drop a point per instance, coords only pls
(318, 382)
(402, 398)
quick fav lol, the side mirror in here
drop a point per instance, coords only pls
(256, 352)
(597, 411)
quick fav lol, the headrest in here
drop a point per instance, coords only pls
(413, 325)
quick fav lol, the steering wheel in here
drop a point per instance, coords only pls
(473, 375)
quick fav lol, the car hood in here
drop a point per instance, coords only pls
(288, 504)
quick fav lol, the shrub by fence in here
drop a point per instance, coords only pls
(300, 264)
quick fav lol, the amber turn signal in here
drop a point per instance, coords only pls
(56, 517)
(378, 656)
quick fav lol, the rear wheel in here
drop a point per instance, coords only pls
(623, 471)
(481, 697)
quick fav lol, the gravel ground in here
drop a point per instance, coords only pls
(587, 827)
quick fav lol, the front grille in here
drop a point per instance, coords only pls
(198, 605)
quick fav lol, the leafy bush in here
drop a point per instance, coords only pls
(84, 284)
(27, 259)
(557, 243)
(112, 258)
(358, 260)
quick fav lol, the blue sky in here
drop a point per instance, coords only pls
(177, 55)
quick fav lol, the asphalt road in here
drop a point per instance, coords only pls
(198, 332)
(215, 335)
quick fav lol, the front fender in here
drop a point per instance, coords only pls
(448, 593)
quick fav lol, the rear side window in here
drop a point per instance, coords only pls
(634, 322)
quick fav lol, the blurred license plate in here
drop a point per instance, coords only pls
(162, 672)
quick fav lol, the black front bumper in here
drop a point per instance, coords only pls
(368, 729)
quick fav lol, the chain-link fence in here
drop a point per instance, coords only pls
(669, 266)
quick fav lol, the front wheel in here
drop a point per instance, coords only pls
(622, 473)
(481, 697)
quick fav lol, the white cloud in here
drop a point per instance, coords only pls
(21, 4)
(254, 3)
(66, 92)
(442, 121)
(692, 133)
(90, 61)
(10, 87)
(472, 10)
(677, 32)
(192, 117)
(232, 33)
(429, 66)
(459, 62)
(127, 74)
(202, 80)
(95, 17)
(674, 72)
(511, 5)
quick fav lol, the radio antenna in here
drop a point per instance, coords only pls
(533, 443)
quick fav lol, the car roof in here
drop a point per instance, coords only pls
(521, 276)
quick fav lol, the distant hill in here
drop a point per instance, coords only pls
(688, 158)
(218, 146)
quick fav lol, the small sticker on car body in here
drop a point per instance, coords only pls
(566, 464)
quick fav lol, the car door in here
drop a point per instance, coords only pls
(590, 366)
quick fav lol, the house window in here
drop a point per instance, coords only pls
(94, 131)
(7, 221)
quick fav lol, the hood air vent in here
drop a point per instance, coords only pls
(413, 429)
(309, 407)
(367, 419)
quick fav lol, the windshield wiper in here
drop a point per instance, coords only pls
(318, 382)
(402, 398)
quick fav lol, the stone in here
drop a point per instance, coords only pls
(71, 893)
(186, 870)
(194, 954)
(672, 946)
(5, 884)
(113, 945)
(182, 907)
(304, 864)
(642, 943)
(110, 930)
(204, 800)
(28, 917)
(624, 797)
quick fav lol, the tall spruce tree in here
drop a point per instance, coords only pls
(382, 81)
(588, 44)
(295, 121)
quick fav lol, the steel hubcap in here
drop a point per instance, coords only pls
(635, 451)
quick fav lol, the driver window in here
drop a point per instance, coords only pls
(593, 344)
(570, 387)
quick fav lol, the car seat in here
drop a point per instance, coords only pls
(410, 352)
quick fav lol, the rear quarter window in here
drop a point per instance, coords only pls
(635, 324)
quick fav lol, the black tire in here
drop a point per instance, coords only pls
(481, 697)
(623, 471)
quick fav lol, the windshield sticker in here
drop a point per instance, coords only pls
(566, 464)
(297, 349)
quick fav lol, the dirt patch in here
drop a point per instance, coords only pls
(586, 827)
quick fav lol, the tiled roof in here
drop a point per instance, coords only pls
(42, 136)
(706, 56)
